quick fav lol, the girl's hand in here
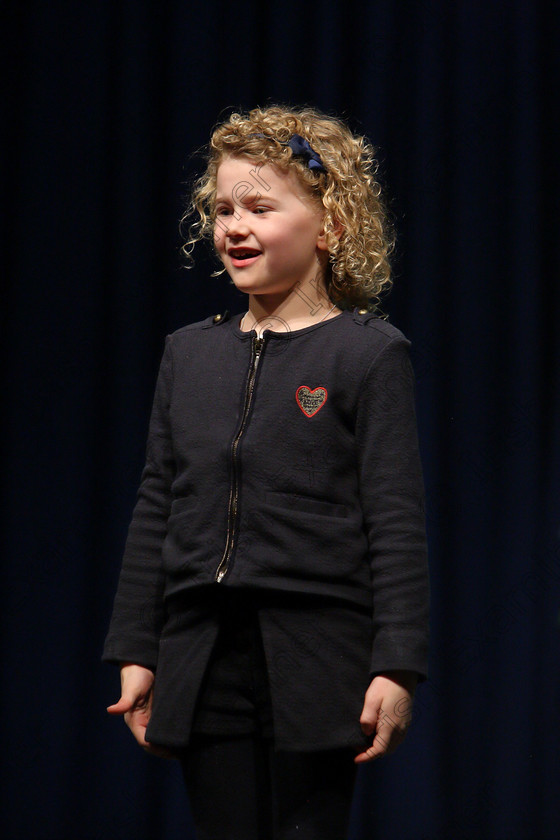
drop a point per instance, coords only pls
(387, 712)
(135, 704)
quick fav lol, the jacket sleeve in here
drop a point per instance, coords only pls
(138, 612)
(392, 496)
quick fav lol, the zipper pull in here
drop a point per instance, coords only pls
(258, 347)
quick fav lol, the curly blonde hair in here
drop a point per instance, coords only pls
(359, 271)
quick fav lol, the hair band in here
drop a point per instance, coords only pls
(300, 148)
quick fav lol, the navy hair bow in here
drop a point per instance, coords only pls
(300, 148)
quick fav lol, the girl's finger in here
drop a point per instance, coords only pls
(120, 707)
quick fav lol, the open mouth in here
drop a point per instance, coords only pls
(242, 256)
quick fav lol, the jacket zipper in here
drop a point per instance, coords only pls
(234, 490)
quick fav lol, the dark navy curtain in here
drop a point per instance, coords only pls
(106, 101)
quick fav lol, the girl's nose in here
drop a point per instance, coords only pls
(237, 224)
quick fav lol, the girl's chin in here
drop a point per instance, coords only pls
(262, 289)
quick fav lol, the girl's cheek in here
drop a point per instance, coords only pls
(219, 236)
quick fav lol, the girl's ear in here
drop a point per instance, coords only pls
(322, 238)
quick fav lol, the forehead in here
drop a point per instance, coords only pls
(255, 177)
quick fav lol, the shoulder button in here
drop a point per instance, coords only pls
(364, 316)
(217, 319)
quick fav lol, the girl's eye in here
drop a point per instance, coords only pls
(260, 209)
(222, 211)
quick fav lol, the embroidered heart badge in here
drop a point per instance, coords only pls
(310, 401)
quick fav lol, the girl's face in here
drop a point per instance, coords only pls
(268, 231)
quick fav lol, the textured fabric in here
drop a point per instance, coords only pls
(234, 697)
(305, 473)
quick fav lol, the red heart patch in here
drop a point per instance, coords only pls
(310, 401)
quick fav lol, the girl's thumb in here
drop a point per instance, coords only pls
(124, 705)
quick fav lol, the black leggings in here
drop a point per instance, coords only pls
(241, 789)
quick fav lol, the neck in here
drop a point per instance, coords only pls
(305, 304)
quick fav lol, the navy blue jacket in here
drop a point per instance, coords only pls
(288, 465)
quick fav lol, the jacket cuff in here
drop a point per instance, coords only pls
(115, 654)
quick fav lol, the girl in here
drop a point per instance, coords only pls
(271, 618)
